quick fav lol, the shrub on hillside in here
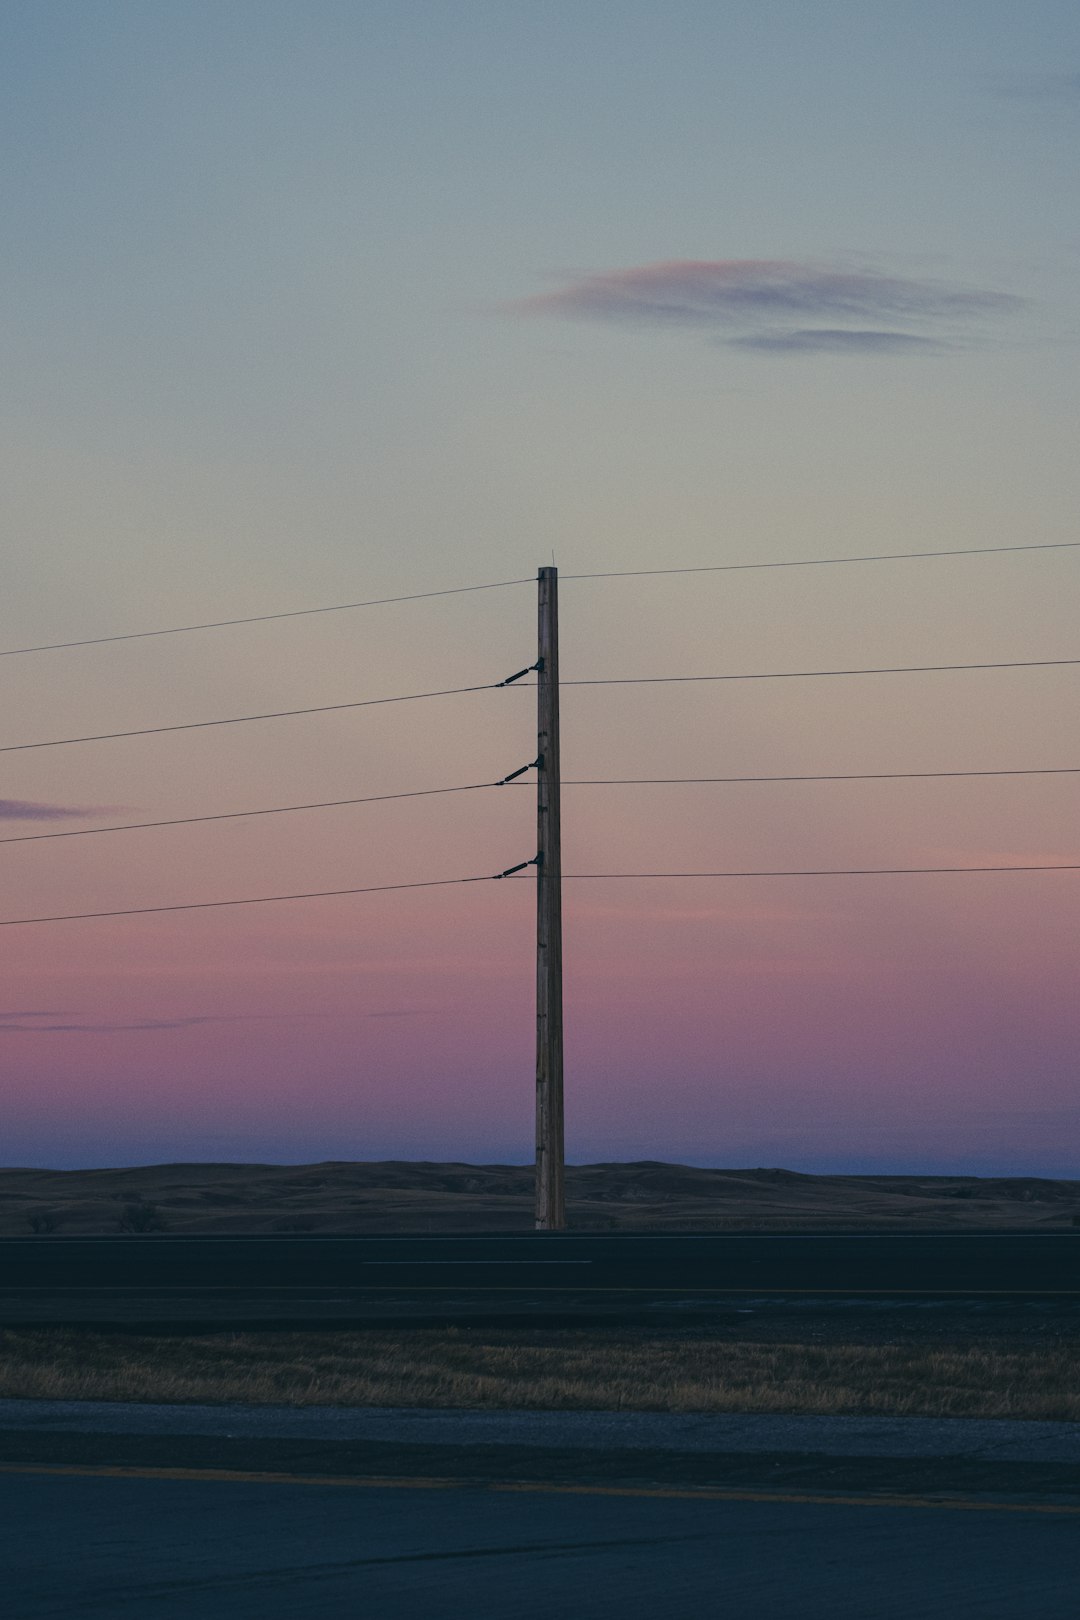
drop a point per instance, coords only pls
(141, 1217)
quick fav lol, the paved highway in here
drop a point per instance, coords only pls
(850, 1263)
(166, 1546)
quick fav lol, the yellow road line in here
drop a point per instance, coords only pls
(234, 1476)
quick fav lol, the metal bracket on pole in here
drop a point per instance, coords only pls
(534, 765)
(520, 867)
(510, 679)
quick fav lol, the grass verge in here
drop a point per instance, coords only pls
(551, 1370)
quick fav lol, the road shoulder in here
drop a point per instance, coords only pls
(988, 1460)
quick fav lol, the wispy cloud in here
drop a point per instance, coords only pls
(52, 1023)
(768, 305)
(36, 1013)
(1039, 86)
(39, 1027)
(27, 810)
(838, 340)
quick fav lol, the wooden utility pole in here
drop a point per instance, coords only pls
(550, 1199)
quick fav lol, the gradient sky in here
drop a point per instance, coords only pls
(309, 304)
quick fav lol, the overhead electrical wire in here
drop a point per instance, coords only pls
(247, 900)
(832, 776)
(504, 584)
(819, 674)
(492, 686)
(511, 875)
(828, 871)
(246, 719)
(826, 562)
(263, 618)
(238, 815)
(473, 787)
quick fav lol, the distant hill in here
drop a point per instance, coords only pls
(400, 1196)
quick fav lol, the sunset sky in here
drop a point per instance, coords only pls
(312, 304)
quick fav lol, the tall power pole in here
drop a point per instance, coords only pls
(550, 1199)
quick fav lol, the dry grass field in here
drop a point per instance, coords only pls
(551, 1370)
(984, 1368)
(409, 1197)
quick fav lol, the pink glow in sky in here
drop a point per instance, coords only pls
(318, 304)
(924, 1022)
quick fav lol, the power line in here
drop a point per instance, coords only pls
(504, 584)
(832, 871)
(246, 719)
(237, 815)
(846, 776)
(492, 686)
(828, 562)
(473, 787)
(817, 674)
(262, 618)
(249, 900)
(510, 875)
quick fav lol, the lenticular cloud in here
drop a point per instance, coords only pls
(771, 304)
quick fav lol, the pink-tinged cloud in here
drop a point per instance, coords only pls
(52, 1022)
(837, 340)
(27, 810)
(766, 304)
(35, 1023)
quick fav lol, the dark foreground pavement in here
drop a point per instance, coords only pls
(170, 1549)
(167, 1513)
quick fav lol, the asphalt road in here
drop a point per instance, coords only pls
(127, 1547)
(852, 1263)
